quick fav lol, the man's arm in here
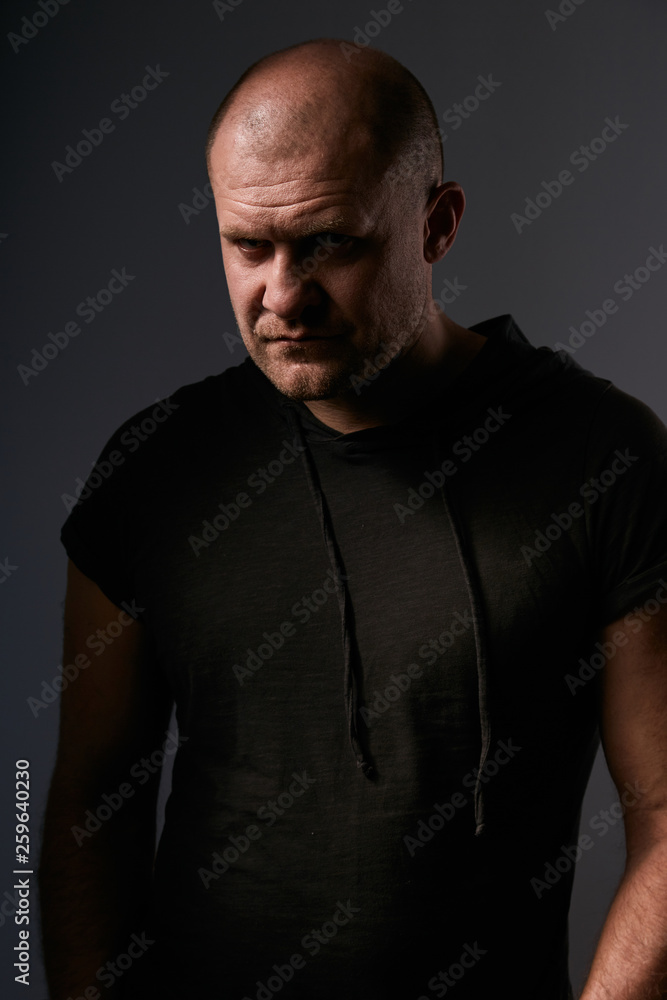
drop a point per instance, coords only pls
(94, 882)
(630, 962)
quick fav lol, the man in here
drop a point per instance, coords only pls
(392, 572)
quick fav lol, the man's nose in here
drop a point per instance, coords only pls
(288, 289)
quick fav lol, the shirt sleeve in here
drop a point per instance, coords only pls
(625, 498)
(95, 533)
(98, 533)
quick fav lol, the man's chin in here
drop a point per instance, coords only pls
(308, 381)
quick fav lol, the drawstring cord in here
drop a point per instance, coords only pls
(472, 586)
(351, 676)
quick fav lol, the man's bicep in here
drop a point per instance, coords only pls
(634, 722)
(116, 707)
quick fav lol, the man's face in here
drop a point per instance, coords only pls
(324, 264)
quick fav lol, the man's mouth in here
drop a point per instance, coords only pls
(301, 338)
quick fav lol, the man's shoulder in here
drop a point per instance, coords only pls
(586, 393)
(233, 387)
(510, 358)
(534, 378)
(225, 400)
(555, 397)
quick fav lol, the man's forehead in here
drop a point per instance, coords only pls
(298, 219)
(301, 196)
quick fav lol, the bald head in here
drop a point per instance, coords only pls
(311, 95)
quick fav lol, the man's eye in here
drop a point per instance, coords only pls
(336, 239)
(325, 244)
(249, 245)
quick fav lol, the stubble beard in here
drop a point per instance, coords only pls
(300, 375)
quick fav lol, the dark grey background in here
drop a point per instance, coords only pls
(120, 208)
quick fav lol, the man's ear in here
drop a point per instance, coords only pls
(443, 214)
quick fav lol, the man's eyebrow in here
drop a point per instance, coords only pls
(334, 224)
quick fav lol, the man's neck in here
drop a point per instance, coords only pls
(405, 385)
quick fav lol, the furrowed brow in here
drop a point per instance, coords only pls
(305, 230)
